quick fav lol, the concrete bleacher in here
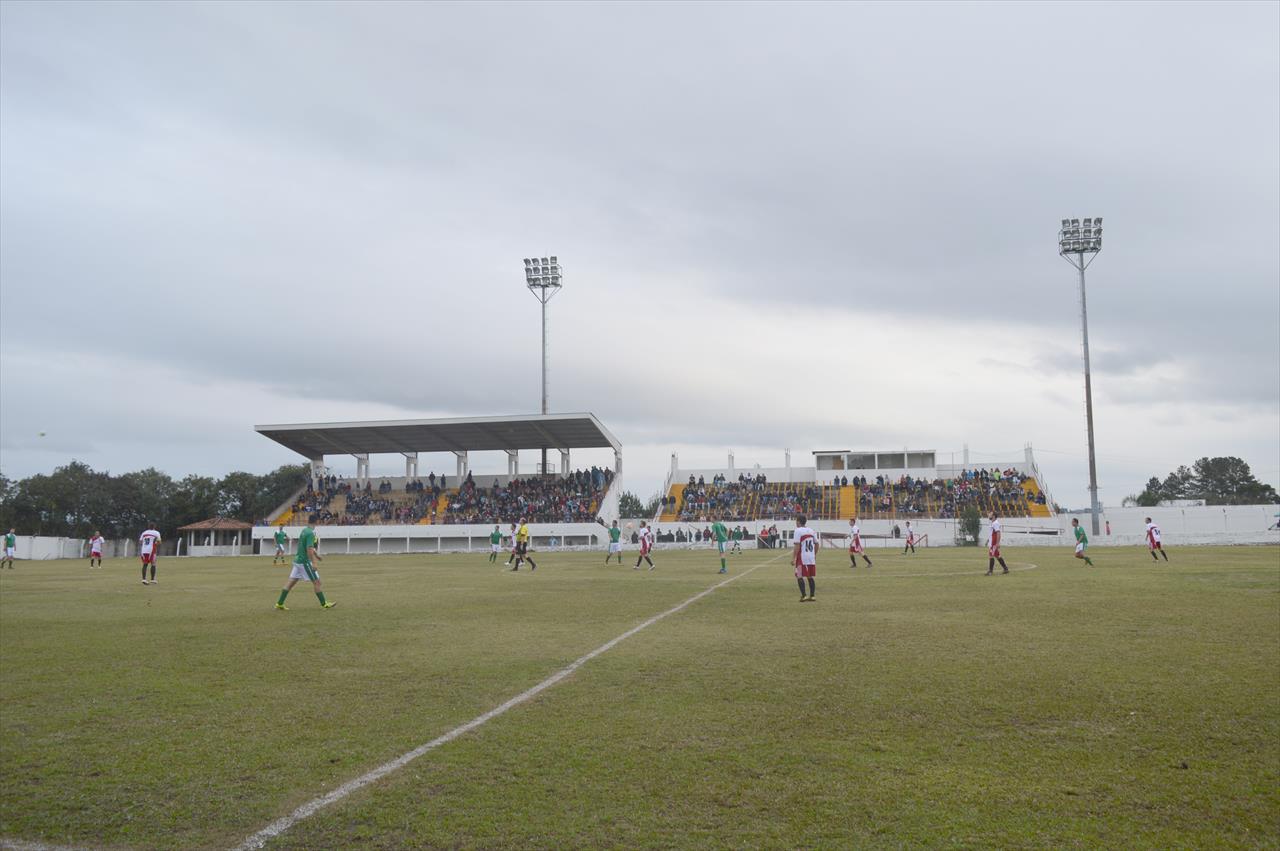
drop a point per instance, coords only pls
(401, 504)
(889, 500)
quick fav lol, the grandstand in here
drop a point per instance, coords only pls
(465, 498)
(898, 484)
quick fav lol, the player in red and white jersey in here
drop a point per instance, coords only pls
(95, 549)
(855, 544)
(911, 539)
(1153, 541)
(512, 555)
(993, 547)
(804, 554)
(148, 548)
(646, 544)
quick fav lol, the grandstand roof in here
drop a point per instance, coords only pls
(216, 523)
(541, 431)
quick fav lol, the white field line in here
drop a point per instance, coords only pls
(313, 806)
(19, 845)
(1025, 565)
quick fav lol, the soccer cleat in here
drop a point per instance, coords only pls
(804, 599)
(145, 582)
(723, 570)
(329, 605)
(281, 607)
(652, 566)
(1006, 570)
(988, 573)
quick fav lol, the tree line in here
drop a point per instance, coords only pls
(76, 500)
(1218, 481)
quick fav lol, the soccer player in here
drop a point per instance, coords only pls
(737, 541)
(911, 540)
(304, 568)
(722, 535)
(512, 554)
(1082, 541)
(522, 547)
(148, 549)
(10, 546)
(855, 544)
(95, 549)
(1153, 541)
(646, 544)
(282, 540)
(993, 547)
(615, 543)
(805, 555)
(495, 544)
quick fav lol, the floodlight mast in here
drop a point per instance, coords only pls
(1079, 243)
(543, 277)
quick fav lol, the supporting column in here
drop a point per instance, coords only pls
(788, 455)
(362, 467)
(410, 465)
(730, 462)
(317, 472)
(617, 463)
(513, 463)
(462, 466)
(564, 463)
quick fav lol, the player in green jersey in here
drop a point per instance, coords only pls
(10, 545)
(495, 544)
(615, 543)
(721, 534)
(304, 568)
(282, 541)
(1082, 541)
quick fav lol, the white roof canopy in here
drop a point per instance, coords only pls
(464, 434)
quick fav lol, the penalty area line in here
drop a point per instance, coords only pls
(313, 806)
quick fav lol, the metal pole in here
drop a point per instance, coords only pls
(1088, 401)
(544, 370)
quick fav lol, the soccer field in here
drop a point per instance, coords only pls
(917, 703)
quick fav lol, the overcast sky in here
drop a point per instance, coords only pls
(784, 226)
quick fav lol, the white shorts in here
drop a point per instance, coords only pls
(303, 571)
(279, 549)
(9, 552)
(1079, 549)
(615, 546)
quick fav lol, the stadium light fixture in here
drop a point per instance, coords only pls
(1078, 244)
(544, 278)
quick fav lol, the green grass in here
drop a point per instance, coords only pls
(1131, 705)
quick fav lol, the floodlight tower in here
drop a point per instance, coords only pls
(543, 279)
(1079, 243)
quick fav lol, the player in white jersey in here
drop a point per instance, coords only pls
(804, 555)
(993, 547)
(646, 544)
(95, 549)
(1153, 541)
(855, 544)
(148, 549)
(511, 556)
(911, 540)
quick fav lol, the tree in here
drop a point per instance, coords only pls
(1180, 484)
(1218, 481)
(1229, 481)
(970, 525)
(238, 495)
(629, 505)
